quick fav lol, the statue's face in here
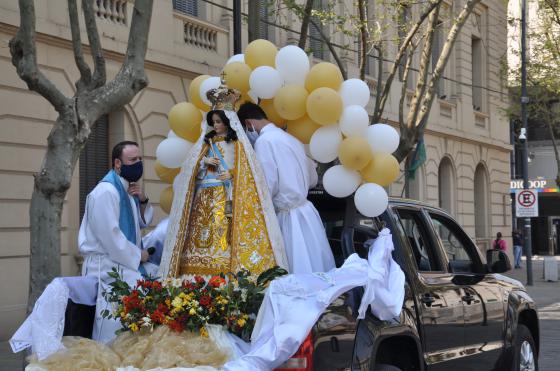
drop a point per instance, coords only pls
(219, 126)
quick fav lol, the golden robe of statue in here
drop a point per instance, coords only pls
(211, 236)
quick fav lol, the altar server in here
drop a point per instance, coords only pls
(289, 174)
(109, 235)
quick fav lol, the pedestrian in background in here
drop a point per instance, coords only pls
(517, 247)
(499, 243)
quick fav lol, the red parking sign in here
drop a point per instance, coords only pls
(526, 203)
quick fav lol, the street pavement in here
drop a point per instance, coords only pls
(547, 297)
(545, 294)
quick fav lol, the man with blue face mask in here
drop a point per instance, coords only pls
(289, 175)
(115, 211)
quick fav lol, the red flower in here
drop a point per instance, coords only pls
(156, 285)
(199, 279)
(188, 285)
(205, 301)
(157, 317)
(162, 308)
(217, 281)
(175, 325)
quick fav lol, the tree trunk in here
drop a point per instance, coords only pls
(50, 187)
(253, 20)
(305, 23)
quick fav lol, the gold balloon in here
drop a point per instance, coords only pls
(354, 153)
(166, 199)
(194, 93)
(290, 102)
(383, 169)
(303, 128)
(184, 119)
(323, 75)
(166, 174)
(268, 107)
(324, 106)
(260, 53)
(236, 75)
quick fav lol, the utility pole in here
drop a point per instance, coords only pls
(236, 26)
(523, 138)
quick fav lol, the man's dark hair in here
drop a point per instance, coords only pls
(250, 111)
(118, 149)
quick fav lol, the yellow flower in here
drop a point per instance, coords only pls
(133, 327)
(177, 302)
(203, 332)
(241, 322)
(192, 312)
(123, 314)
(168, 302)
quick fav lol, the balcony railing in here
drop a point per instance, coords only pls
(111, 10)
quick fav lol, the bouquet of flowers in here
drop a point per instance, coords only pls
(189, 303)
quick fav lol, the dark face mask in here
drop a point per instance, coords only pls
(132, 172)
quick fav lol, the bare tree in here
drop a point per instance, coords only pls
(419, 31)
(94, 97)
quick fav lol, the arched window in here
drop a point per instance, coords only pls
(481, 202)
(446, 185)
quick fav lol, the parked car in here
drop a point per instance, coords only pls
(459, 312)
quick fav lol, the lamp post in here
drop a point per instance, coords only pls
(236, 26)
(523, 138)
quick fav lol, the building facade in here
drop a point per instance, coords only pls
(467, 138)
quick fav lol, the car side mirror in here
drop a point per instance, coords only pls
(498, 261)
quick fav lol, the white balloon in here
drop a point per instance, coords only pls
(208, 84)
(293, 64)
(324, 143)
(236, 58)
(371, 200)
(340, 181)
(172, 134)
(253, 96)
(354, 92)
(172, 152)
(354, 121)
(265, 82)
(382, 138)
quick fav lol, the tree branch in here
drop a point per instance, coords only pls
(379, 84)
(362, 11)
(305, 23)
(400, 55)
(409, 59)
(24, 58)
(327, 41)
(85, 72)
(132, 77)
(99, 74)
(442, 62)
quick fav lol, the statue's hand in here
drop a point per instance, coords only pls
(211, 161)
(225, 176)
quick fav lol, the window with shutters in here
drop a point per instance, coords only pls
(266, 30)
(94, 160)
(437, 46)
(189, 7)
(479, 60)
(316, 43)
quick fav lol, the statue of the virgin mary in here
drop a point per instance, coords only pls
(222, 218)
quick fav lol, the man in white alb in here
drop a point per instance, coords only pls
(289, 174)
(109, 235)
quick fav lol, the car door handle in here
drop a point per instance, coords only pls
(467, 298)
(428, 299)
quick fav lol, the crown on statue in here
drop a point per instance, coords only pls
(223, 98)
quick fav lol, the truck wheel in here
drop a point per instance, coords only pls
(525, 358)
(384, 367)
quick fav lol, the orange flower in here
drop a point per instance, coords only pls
(217, 281)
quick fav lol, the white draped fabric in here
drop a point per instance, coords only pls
(293, 303)
(43, 329)
(104, 247)
(191, 166)
(290, 174)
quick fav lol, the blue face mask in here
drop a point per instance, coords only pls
(132, 172)
(252, 135)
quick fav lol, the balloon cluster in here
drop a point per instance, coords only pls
(316, 106)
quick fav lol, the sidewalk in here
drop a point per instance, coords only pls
(547, 297)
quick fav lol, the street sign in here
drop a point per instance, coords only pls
(527, 203)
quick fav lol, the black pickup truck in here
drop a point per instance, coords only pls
(459, 312)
